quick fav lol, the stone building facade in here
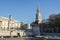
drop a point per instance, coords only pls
(6, 23)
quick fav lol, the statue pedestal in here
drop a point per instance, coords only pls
(36, 30)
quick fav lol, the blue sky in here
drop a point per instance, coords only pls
(25, 10)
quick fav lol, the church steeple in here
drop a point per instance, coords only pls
(38, 16)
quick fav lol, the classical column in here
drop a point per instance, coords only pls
(9, 22)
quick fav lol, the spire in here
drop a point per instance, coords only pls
(38, 8)
(38, 15)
